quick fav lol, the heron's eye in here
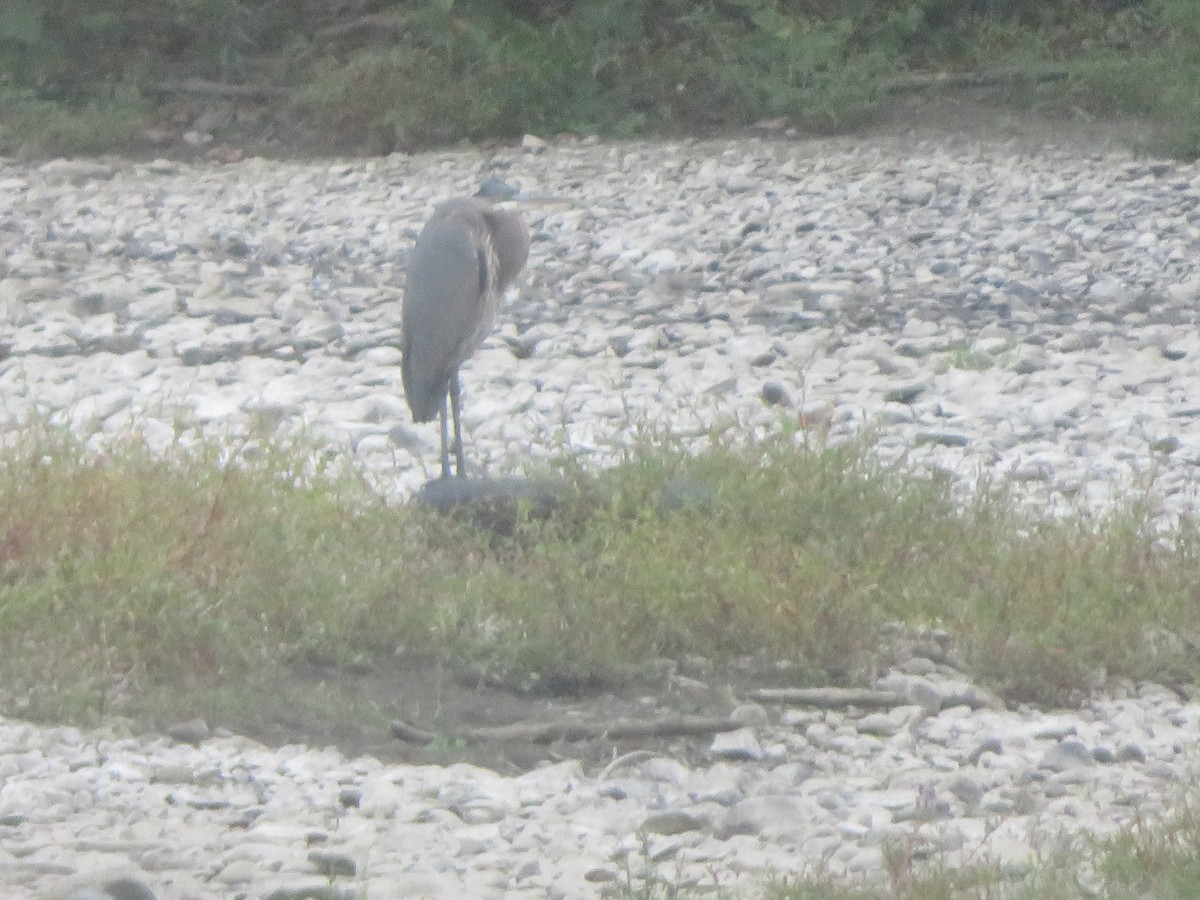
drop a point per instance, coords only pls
(483, 271)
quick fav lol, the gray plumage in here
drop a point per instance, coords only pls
(466, 256)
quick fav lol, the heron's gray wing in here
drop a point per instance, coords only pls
(444, 305)
(510, 239)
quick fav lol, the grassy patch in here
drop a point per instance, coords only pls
(127, 572)
(1138, 59)
(125, 568)
(107, 121)
(374, 75)
(1160, 860)
(617, 68)
(962, 356)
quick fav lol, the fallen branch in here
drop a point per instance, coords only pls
(220, 91)
(376, 23)
(925, 81)
(829, 698)
(549, 732)
(370, 24)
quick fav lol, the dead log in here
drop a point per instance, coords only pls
(549, 732)
(829, 697)
(217, 90)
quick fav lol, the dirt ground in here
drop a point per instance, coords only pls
(354, 711)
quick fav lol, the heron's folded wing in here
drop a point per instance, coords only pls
(443, 311)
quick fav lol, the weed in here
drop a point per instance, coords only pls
(644, 876)
(1157, 859)
(1154, 859)
(36, 127)
(964, 357)
(188, 571)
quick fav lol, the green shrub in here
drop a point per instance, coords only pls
(476, 69)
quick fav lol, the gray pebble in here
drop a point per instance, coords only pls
(967, 790)
(191, 732)
(1131, 753)
(741, 745)
(333, 864)
(1066, 755)
(672, 822)
(774, 394)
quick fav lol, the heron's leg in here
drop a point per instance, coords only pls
(455, 402)
(445, 440)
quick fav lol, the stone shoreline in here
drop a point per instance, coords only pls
(990, 308)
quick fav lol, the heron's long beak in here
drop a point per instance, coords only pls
(501, 193)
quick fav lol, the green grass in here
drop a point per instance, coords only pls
(191, 579)
(1160, 861)
(369, 77)
(964, 357)
(107, 122)
(1142, 60)
(130, 572)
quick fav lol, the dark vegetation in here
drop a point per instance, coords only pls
(82, 76)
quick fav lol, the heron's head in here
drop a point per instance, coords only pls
(510, 234)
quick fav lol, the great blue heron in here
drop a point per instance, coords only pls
(465, 257)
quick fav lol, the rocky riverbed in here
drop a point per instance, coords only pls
(1025, 310)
